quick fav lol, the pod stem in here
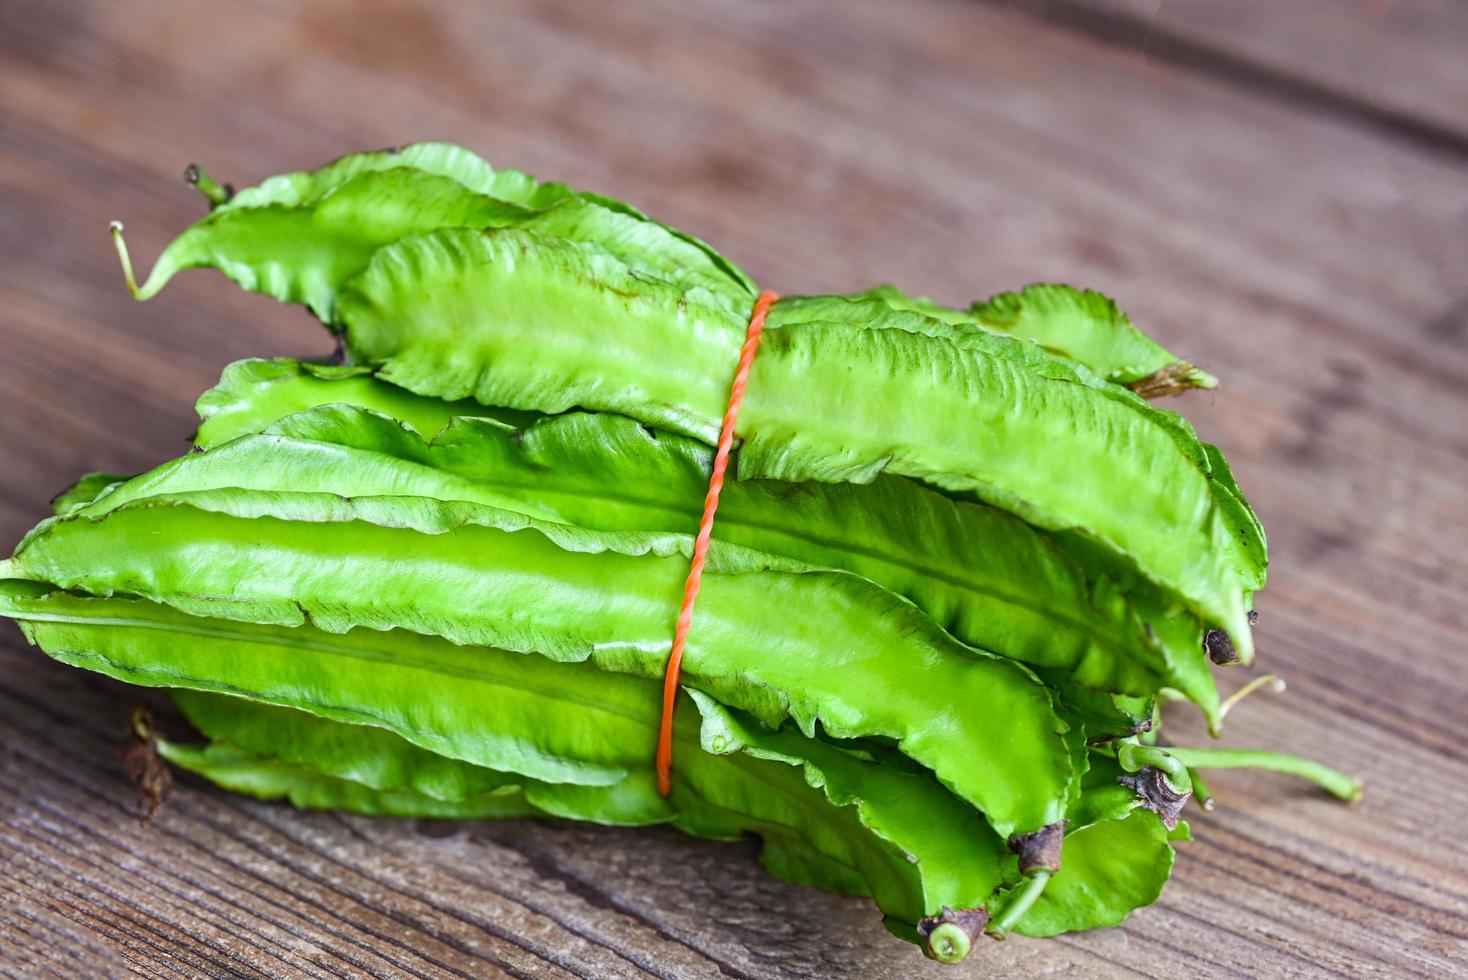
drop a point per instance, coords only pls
(1202, 795)
(1333, 781)
(1273, 681)
(1025, 896)
(120, 244)
(216, 192)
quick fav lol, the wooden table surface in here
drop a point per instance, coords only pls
(1279, 191)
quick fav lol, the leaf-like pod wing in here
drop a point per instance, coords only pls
(824, 648)
(445, 160)
(308, 788)
(1079, 324)
(85, 490)
(990, 579)
(253, 394)
(565, 325)
(299, 237)
(1089, 327)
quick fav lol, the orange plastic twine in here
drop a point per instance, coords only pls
(705, 532)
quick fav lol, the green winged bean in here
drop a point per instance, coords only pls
(251, 394)
(963, 562)
(991, 580)
(820, 647)
(897, 836)
(85, 490)
(826, 401)
(473, 173)
(361, 205)
(900, 837)
(301, 240)
(307, 788)
(341, 213)
(1117, 858)
(1079, 324)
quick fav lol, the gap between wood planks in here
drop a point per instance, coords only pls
(1148, 37)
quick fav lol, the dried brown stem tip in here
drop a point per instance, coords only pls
(1220, 648)
(1157, 793)
(1174, 379)
(141, 762)
(1039, 848)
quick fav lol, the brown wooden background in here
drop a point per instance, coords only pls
(1278, 190)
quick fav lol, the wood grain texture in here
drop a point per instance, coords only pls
(1394, 64)
(1310, 259)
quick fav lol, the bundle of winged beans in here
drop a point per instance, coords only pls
(959, 562)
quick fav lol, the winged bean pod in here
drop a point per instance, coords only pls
(898, 836)
(434, 310)
(960, 562)
(1080, 324)
(253, 391)
(300, 242)
(359, 206)
(991, 580)
(1109, 870)
(472, 172)
(230, 767)
(827, 817)
(964, 561)
(819, 647)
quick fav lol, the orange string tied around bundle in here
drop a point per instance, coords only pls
(705, 533)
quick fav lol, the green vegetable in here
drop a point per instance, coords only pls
(251, 394)
(431, 310)
(1075, 323)
(1117, 858)
(777, 643)
(860, 827)
(84, 491)
(581, 736)
(335, 219)
(961, 566)
(1024, 599)
(300, 236)
(295, 210)
(306, 788)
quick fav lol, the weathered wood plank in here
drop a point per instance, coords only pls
(955, 148)
(1395, 65)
